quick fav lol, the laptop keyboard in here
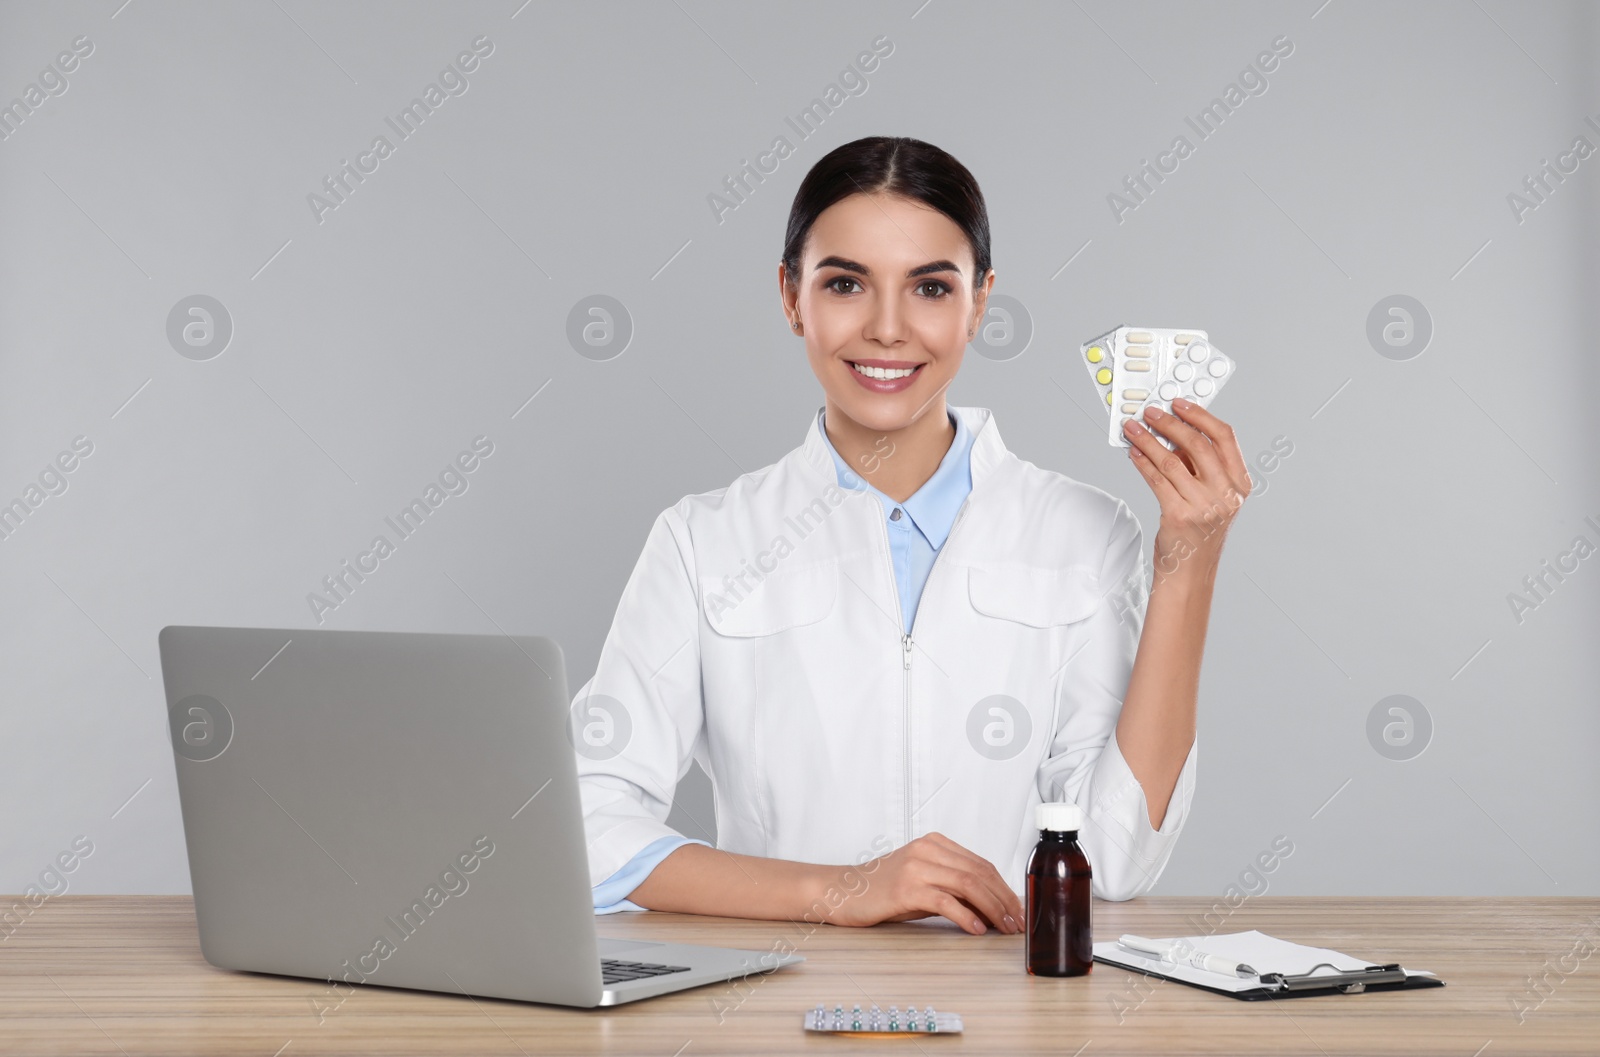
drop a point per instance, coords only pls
(613, 971)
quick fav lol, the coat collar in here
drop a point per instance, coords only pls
(988, 450)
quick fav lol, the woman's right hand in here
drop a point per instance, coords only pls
(931, 875)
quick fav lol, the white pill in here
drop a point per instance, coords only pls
(1135, 394)
(1138, 337)
(1183, 372)
(1198, 351)
(1130, 409)
(1169, 390)
(1217, 368)
(1203, 387)
(1137, 365)
(1184, 339)
(1137, 350)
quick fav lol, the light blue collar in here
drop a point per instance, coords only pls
(933, 507)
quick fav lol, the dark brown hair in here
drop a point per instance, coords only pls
(897, 165)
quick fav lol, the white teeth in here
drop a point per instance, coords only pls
(883, 373)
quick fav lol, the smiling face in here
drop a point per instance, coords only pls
(885, 301)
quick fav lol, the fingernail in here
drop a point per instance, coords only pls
(1131, 426)
(1181, 402)
(1011, 922)
(1153, 412)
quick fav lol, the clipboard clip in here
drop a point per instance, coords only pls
(1350, 982)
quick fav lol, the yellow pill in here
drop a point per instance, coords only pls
(1108, 395)
(1095, 354)
(1103, 376)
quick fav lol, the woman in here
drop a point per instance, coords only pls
(887, 646)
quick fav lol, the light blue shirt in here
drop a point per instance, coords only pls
(917, 529)
(611, 895)
(919, 526)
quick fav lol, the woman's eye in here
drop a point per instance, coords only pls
(933, 289)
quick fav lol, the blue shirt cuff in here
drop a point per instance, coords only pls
(610, 895)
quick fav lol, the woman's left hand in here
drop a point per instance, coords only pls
(1200, 486)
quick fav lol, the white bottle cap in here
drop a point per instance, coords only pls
(1062, 818)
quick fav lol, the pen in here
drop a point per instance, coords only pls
(1181, 953)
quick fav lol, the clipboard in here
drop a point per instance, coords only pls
(1300, 971)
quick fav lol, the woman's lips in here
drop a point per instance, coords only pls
(885, 385)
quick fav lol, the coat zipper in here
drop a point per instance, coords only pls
(905, 647)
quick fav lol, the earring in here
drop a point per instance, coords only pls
(795, 324)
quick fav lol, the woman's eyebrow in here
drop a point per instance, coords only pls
(862, 269)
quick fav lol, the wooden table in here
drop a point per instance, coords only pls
(124, 974)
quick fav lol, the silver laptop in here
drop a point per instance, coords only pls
(402, 810)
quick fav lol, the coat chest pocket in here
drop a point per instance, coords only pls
(1032, 595)
(788, 597)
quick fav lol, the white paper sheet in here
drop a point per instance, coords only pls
(1263, 953)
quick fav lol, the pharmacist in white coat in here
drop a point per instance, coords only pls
(886, 647)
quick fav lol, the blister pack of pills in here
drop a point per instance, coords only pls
(875, 1021)
(1138, 367)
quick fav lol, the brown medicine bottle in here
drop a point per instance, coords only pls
(1060, 939)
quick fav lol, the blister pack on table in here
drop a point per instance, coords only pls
(889, 1023)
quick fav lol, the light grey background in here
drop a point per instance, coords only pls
(429, 308)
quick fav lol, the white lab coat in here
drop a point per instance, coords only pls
(760, 635)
